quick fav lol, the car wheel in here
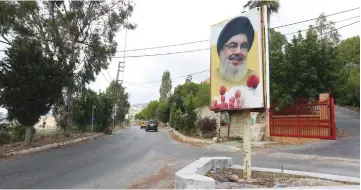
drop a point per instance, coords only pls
(156, 130)
(146, 130)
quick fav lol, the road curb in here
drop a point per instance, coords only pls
(191, 139)
(336, 160)
(193, 175)
(50, 146)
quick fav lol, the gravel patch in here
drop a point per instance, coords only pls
(230, 178)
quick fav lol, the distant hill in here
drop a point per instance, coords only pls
(139, 105)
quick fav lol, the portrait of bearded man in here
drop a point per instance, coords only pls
(234, 43)
(237, 83)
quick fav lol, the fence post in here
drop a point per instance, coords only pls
(270, 121)
(298, 121)
(332, 117)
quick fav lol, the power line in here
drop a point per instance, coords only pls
(199, 41)
(209, 69)
(325, 25)
(195, 50)
(156, 47)
(104, 76)
(314, 18)
(175, 77)
(109, 75)
(342, 26)
(150, 55)
(137, 84)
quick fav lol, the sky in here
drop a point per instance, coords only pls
(165, 22)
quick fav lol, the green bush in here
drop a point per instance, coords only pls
(11, 132)
(17, 132)
(4, 134)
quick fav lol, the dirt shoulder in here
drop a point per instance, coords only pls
(163, 179)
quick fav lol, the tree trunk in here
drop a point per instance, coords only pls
(29, 133)
(69, 111)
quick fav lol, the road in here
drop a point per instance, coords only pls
(130, 158)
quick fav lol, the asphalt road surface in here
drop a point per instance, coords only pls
(131, 158)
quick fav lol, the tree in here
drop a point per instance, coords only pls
(83, 105)
(304, 67)
(272, 7)
(348, 54)
(165, 87)
(202, 96)
(189, 79)
(190, 116)
(163, 112)
(348, 51)
(103, 115)
(182, 91)
(103, 112)
(120, 98)
(79, 34)
(30, 82)
(150, 112)
(326, 29)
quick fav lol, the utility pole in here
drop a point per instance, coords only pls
(121, 66)
(91, 129)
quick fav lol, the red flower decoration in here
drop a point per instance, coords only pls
(222, 90)
(231, 105)
(214, 103)
(223, 98)
(237, 94)
(253, 81)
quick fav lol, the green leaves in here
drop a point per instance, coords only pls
(31, 82)
(82, 112)
(304, 67)
(165, 87)
(120, 98)
(348, 51)
(202, 96)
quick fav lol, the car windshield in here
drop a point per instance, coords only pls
(152, 122)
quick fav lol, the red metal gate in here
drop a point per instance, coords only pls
(308, 120)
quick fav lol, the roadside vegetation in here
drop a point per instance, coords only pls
(54, 50)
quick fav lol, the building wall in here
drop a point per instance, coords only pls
(50, 124)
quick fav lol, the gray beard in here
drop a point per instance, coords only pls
(233, 73)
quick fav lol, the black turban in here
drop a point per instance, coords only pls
(238, 25)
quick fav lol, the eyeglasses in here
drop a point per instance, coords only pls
(233, 47)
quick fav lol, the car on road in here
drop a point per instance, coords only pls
(143, 124)
(152, 125)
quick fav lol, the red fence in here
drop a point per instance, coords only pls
(308, 120)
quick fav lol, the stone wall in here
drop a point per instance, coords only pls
(238, 120)
(191, 139)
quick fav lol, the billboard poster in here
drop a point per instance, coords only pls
(236, 63)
